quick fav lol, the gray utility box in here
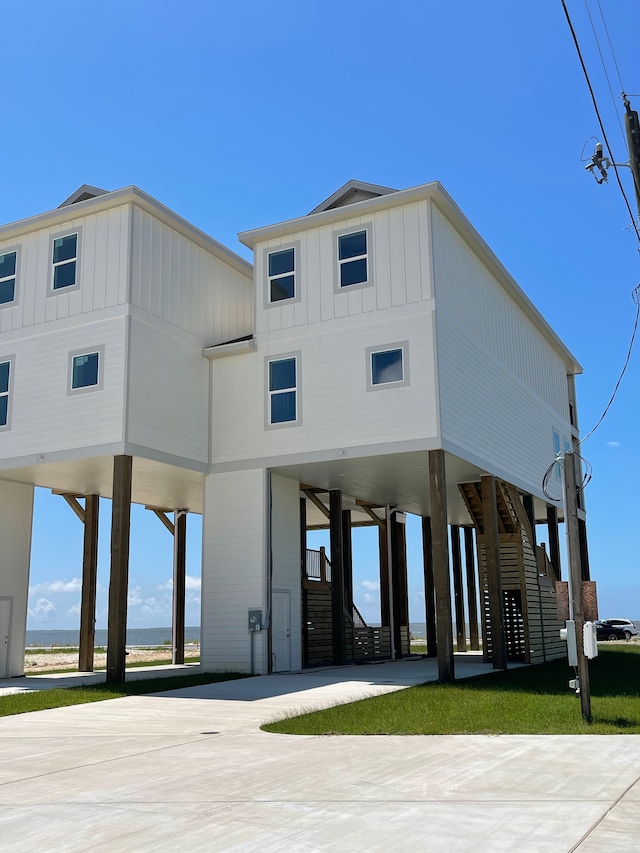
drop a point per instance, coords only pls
(255, 620)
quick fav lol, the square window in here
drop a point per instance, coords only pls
(281, 273)
(65, 261)
(7, 278)
(85, 370)
(283, 408)
(388, 366)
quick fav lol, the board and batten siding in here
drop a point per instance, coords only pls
(168, 393)
(285, 549)
(401, 270)
(337, 410)
(16, 514)
(233, 576)
(474, 300)
(102, 270)
(44, 417)
(179, 282)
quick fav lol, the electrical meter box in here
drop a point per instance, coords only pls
(590, 640)
(569, 634)
(255, 620)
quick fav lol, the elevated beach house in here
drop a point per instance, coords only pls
(376, 360)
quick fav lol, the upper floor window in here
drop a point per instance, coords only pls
(8, 278)
(65, 261)
(5, 391)
(353, 258)
(388, 366)
(85, 370)
(283, 405)
(282, 274)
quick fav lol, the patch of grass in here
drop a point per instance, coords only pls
(22, 703)
(530, 700)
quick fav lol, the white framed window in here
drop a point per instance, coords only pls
(8, 278)
(282, 379)
(6, 382)
(281, 274)
(388, 366)
(85, 370)
(65, 262)
(354, 261)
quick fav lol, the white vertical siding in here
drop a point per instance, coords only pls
(102, 270)
(401, 270)
(16, 513)
(180, 283)
(233, 569)
(168, 393)
(472, 299)
(285, 548)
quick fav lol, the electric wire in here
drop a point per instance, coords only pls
(600, 122)
(604, 67)
(635, 295)
(604, 23)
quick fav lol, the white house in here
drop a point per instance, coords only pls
(377, 360)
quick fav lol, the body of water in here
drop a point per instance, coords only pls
(135, 637)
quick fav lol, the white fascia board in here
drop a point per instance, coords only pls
(435, 192)
(131, 195)
(233, 348)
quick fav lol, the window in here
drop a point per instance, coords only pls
(282, 279)
(65, 261)
(8, 278)
(388, 366)
(5, 391)
(352, 258)
(85, 370)
(283, 404)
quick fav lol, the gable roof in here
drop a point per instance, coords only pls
(83, 193)
(350, 193)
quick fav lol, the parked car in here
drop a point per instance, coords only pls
(625, 625)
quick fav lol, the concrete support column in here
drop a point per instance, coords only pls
(89, 584)
(119, 577)
(337, 577)
(429, 589)
(458, 589)
(179, 585)
(472, 592)
(442, 581)
(492, 559)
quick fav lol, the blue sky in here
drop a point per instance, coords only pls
(240, 114)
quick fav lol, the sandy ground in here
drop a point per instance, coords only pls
(48, 661)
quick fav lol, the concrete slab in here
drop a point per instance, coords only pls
(190, 770)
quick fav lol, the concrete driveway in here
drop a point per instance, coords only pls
(190, 770)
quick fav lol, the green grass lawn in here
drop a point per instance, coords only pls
(22, 703)
(529, 700)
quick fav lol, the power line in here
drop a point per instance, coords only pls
(595, 106)
(604, 66)
(604, 23)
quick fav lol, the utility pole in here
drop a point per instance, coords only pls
(576, 608)
(632, 127)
